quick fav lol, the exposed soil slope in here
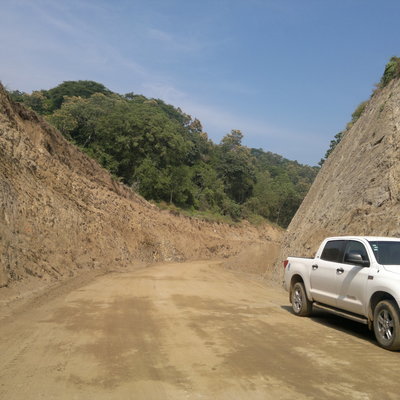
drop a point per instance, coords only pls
(61, 213)
(357, 191)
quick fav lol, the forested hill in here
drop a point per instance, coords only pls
(164, 154)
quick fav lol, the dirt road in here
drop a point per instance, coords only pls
(187, 331)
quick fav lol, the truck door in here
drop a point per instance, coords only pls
(324, 271)
(352, 280)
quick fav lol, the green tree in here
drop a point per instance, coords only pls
(332, 146)
(263, 198)
(18, 96)
(235, 167)
(180, 185)
(38, 102)
(392, 71)
(339, 136)
(83, 89)
(208, 189)
(151, 182)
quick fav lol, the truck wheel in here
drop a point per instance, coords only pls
(387, 325)
(300, 304)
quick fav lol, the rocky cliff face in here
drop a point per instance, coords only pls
(61, 213)
(357, 191)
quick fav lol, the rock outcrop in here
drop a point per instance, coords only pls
(357, 191)
(61, 213)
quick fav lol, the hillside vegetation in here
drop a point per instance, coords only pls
(165, 155)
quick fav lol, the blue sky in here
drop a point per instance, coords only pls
(287, 73)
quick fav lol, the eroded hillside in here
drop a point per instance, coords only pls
(61, 213)
(357, 191)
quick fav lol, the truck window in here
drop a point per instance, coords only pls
(333, 251)
(353, 245)
(386, 252)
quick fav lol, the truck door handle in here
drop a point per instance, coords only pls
(340, 270)
(314, 267)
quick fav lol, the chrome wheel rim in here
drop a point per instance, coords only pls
(385, 325)
(297, 299)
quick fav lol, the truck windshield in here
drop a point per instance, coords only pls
(386, 253)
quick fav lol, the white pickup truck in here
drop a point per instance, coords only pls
(352, 276)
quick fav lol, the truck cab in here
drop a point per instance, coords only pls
(350, 276)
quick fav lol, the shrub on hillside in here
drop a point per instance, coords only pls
(392, 71)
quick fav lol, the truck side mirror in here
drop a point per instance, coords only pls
(354, 257)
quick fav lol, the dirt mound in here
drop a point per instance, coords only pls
(61, 213)
(257, 258)
(357, 191)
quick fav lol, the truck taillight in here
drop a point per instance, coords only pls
(285, 263)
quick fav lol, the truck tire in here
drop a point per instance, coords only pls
(387, 325)
(300, 304)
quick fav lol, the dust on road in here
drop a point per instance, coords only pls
(187, 331)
